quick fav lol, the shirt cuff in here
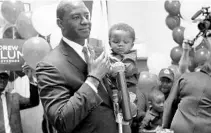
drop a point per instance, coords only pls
(91, 85)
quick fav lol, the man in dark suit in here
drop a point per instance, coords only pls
(12, 103)
(72, 89)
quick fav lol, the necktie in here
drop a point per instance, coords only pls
(86, 55)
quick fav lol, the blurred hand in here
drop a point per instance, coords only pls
(186, 45)
(134, 109)
(29, 72)
(133, 97)
(97, 67)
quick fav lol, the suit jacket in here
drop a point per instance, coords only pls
(71, 105)
(191, 98)
(15, 103)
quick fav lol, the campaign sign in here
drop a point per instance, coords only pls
(11, 57)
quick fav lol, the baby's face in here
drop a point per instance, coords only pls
(121, 41)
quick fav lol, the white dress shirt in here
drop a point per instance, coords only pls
(78, 48)
(6, 118)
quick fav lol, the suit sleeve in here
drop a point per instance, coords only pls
(64, 108)
(171, 103)
(32, 101)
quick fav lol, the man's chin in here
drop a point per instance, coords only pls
(84, 35)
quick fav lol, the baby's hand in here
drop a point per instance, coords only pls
(116, 67)
(113, 59)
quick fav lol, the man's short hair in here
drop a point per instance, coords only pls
(63, 6)
(123, 27)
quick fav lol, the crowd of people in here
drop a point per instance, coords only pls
(76, 86)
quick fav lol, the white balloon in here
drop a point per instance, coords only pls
(157, 61)
(191, 31)
(189, 8)
(44, 19)
(55, 37)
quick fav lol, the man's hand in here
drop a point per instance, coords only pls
(97, 67)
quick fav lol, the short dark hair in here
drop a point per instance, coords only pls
(63, 6)
(154, 93)
(123, 27)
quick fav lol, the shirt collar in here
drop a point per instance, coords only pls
(77, 47)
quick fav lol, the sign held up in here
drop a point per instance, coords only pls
(11, 57)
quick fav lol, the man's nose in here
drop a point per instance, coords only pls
(85, 20)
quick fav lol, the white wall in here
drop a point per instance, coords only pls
(147, 17)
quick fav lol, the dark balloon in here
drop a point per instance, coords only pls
(11, 9)
(201, 56)
(172, 7)
(172, 21)
(24, 25)
(178, 34)
(176, 54)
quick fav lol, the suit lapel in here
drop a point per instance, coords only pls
(73, 58)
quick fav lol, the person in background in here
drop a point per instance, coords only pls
(12, 103)
(153, 116)
(191, 97)
(166, 77)
(71, 81)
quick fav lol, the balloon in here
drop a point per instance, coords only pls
(191, 31)
(44, 19)
(11, 9)
(24, 25)
(34, 49)
(204, 44)
(175, 69)
(55, 37)
(172, 7)
(156, 62)
(189, 8)
(176, 54)
(147, 81)
(11, 32)
(178, 34)
(172, 21)
(201, 56)
(192, 64)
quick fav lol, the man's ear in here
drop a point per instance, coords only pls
(59, 23)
